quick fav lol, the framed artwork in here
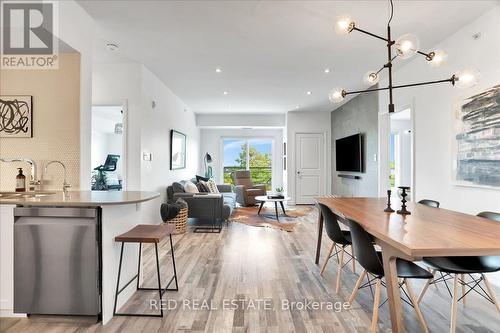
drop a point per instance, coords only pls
(177, 150)
(476, 143)
(16, 116)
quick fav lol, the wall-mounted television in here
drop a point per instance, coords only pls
(349, 153)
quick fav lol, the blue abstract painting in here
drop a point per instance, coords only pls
(477, 135)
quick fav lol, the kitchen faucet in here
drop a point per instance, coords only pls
(66, 185)
(33, 182)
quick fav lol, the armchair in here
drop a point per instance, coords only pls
(245, 190)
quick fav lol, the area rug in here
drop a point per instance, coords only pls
(267, 218)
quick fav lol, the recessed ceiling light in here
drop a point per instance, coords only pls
(309, 92)
(225, 93)
(327, 70)
(112, 47)
(297, 106)
(218, 70)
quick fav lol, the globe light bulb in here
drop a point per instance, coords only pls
(337, 95)
(466, 78)
(407, 45)
(370, 78)
(437, 58)
(344, 24)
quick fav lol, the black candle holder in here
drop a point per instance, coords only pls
(403, 210)
(389, 209)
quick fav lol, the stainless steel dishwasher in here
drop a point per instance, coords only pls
(56, 261)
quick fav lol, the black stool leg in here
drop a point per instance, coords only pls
(159, 279)
(173, 263)
(139, 265)
(118, 280)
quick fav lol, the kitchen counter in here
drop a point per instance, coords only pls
(117, 212)
(76, 198)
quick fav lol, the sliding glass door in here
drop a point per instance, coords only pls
(253, 154)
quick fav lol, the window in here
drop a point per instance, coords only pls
(249, 154)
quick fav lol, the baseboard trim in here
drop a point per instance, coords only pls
(9, 313)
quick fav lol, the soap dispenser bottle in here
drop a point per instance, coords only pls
(20, 181)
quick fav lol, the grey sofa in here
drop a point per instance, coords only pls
(207, 206)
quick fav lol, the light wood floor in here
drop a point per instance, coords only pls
(252, 263)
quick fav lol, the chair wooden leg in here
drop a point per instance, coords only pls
(413, 300)
(427, 284)
(491, 291)
(356, 287)
(339, 270)
(376, 303)
(353, 260)
(454, 305)
(462, 278)
(327, 258)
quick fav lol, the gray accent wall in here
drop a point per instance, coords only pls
(359, 115)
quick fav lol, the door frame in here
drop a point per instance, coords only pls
(411, 107)
(124, 105)
(326, 163)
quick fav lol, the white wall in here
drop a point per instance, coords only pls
(211, 142)
(120, 84)
(433, 110)
(307, 122)
(239, 120)
(169, 113)
(76, 28)
(147, 128)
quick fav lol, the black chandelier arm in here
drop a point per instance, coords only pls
(452, 80)
(345, 93)
(428, 56)
(370, 34)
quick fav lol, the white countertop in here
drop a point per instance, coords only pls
(78, 198)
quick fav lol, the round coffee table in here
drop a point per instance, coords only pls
(263, 199)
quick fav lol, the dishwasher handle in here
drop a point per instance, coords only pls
(55, 212)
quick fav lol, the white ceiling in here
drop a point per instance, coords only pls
(271, 52)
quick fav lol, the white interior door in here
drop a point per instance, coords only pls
(309, 167)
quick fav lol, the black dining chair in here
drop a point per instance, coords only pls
(371, 260)
(340, 240)
(456, 267)
(430, 203)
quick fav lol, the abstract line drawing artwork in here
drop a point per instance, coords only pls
(16, 117)
(477, 140)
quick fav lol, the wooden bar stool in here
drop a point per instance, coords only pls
(144, 233)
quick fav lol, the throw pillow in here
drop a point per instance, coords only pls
(212, 186)
(178, 188)
(189, 187)
(202, 186)
(198, 178)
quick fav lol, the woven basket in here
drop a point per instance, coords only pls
(180, 221)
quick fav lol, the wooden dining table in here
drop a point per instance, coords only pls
(427, 232)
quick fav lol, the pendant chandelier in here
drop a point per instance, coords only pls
(405, 47)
